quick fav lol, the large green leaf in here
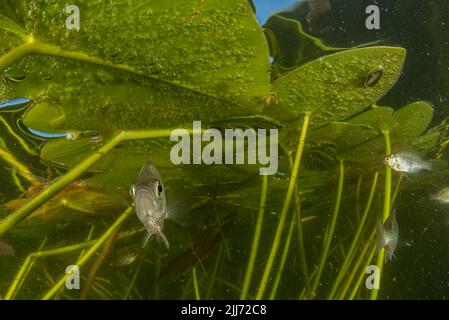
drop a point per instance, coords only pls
(361, 140)
(133, 64)
(335, 86)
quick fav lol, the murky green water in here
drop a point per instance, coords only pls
(346, 94)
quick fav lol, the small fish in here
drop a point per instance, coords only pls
(388, 236)
(6, 249)
(124, 260)
(406, 161)
(441, 196)
(148, 193)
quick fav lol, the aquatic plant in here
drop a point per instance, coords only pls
(136, 72)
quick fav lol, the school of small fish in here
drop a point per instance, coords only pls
(407, 162)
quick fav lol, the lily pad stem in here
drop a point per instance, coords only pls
(285, 207)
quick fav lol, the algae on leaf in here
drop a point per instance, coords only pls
(333, 87)
(132, 64)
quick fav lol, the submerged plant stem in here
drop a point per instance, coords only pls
(23, 272)
(26, 173)
(135, 275)
(329, 233)
(195, 284)
(60, 283)
(356, 239)
(214, 271)
(96, 266)
(386, 210)
(284, 256)
(285, 207)
(256, 239)
(356, 268)
(300, 232)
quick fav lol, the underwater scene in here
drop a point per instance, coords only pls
(224, 149)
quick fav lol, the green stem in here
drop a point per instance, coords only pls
(256, 239)
(89, 237)
(329, 233)
(15, 54)
(356, 239)
(19, 279)
(396, 191)
(356, 267)
(135, 275)
(60, 283)
(286, 205)
(214, 271)
(12, 160)
(362, 275)
(357, 197)
(73, 174)
(284, 256)
(195, 284)
(386, 210)
(300, 232)
(96, 266)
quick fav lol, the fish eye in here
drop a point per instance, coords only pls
(387, 159)
(159, 188)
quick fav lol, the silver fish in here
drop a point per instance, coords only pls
(406, 161)
(6, 249)
(148, 193)
(388, 236)
(441, 196)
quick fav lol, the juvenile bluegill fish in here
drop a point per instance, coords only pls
(441, 196)
(406, 161)
(388, 236)
(148, 193)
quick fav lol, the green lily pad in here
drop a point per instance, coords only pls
(360, 140)
(335, 86)
(290, 45)
(135, 65)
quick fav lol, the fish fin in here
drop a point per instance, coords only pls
(437, 164)
(146, 239)
(178, 204)
(164, 240)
